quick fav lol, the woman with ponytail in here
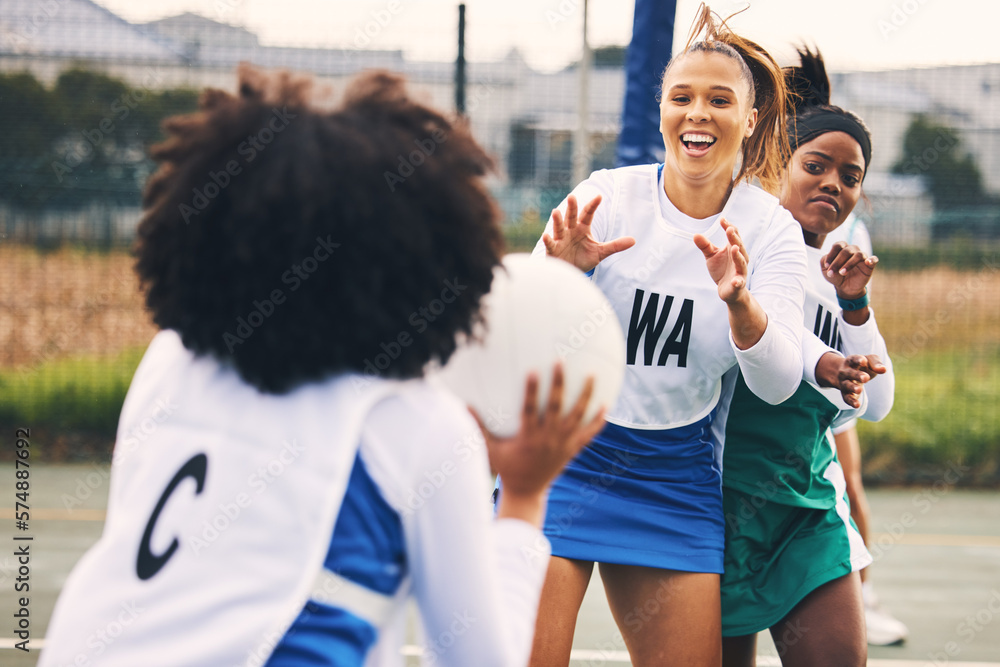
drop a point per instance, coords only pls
(705, 273)
(792, 552)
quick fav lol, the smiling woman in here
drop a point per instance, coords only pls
(646, 235)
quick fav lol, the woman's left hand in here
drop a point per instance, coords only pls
(848, 374)
(848, 269)
(727, 265)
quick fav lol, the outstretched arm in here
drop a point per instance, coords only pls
(849, 269)
(765, 304)
(728, 265)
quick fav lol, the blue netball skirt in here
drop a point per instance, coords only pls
(642, 497)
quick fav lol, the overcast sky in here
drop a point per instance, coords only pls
(853, 34)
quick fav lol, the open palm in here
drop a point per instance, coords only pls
(572, 238)
(727, 265)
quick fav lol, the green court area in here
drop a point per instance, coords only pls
(936, 548)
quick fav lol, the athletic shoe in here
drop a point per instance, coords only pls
(883, 628)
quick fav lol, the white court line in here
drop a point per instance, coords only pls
(615, 656)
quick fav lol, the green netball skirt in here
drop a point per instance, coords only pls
(777, 554)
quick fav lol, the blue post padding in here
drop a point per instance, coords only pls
(648, 54)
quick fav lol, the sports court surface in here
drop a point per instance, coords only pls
(937, 569)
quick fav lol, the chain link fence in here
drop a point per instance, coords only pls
(83, 91)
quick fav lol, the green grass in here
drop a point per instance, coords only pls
(962, 254)
(522, 236)
(947, 410)
(81, 393)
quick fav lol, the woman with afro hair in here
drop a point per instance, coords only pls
(307, 479)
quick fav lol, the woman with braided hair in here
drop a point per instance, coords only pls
(792, 552)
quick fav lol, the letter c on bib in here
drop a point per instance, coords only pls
(148, 564)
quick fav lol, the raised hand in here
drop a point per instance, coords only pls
(848, 374)
(848, 269)
(726, 265)
(573, 240)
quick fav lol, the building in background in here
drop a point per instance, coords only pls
(525, 118)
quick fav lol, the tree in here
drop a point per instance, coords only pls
(933, 150)
(30, 119)
(85, 140)
(611, 56)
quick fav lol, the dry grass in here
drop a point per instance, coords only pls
(67, 303)
(937, 309)
(73, 302)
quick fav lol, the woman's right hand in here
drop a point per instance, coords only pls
(572, 239)
(547, 440)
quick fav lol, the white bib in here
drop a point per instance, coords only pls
(222, 503)
(677, 357)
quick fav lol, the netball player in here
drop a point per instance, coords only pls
(297, 497)
(705, 273)
(792, 552)
(882, 628)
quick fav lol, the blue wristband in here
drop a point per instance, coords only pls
(854, 304)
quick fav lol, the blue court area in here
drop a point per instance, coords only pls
(936, 548)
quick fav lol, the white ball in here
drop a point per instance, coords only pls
(538, 311)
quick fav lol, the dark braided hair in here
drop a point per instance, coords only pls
(810, 113)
